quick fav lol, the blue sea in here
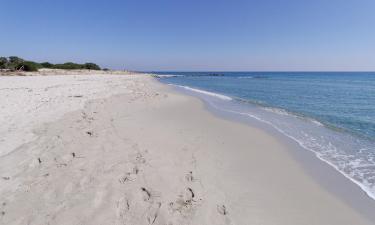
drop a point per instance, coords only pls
(329, 113)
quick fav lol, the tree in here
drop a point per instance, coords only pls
(3, 63)
(15, 59)
(91, 66)
(14, 63)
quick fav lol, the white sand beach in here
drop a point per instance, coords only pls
(125, 149)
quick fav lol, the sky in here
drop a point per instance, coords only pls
(193, 35)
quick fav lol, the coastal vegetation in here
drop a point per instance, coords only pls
(14, 63)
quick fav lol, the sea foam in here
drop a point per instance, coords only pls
(213, 94)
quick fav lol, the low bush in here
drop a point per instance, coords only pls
(69, 66)
(16, 63)
(30, 66)
(3, 62)
(47, 65)
(91, 66)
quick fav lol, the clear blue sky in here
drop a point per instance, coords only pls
(193, 34)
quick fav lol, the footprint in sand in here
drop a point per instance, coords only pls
(2, 212)
(189, 176)
(137, 157)
(148, 209)
(122, 207)
(124, 179)
(222, 210)
(146, 194)
(185, 203)
(152, 212)
(129, 176)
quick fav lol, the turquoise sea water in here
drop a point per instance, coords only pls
(329, 113)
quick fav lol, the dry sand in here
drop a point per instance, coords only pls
(148, 155)
(58, 72)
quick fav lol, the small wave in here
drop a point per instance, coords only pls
(286, 113)
(215, 75)
(316, 122)
(366, 187)
(167, 75)
(362, 182)
(223, 97)
(277, 111)
(260, 77)
(245, 77)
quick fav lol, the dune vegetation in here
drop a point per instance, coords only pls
(14, 63)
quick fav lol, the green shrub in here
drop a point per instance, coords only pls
(15, 60)
(91, 66)
(47, 65)
(3, 62)
(69, 66)
(29, 66)
(14, 63)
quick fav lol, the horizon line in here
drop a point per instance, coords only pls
(258, 71)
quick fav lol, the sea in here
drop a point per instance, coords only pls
(331, 114)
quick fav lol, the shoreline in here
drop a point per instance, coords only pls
(325, 174)
(253, 120)
(153, 155)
